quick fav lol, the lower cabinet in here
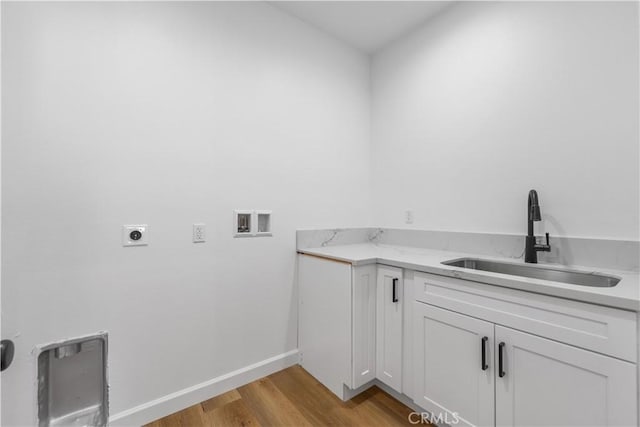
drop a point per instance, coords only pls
(482, 355)
(363, 309)
(547, 383)
(484, 374)
(350, 323)
(324, 321)
(337, 322)
(390, 295)
(454, 366)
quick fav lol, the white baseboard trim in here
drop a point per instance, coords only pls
(163, 406)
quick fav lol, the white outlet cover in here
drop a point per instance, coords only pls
(408, 216)
(129, 240)
(199, 233)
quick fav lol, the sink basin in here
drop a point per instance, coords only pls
(537, 272)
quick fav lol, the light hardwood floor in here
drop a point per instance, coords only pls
(290, 397)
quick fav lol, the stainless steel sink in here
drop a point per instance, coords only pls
(537, 272)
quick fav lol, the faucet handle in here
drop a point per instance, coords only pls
(547, 247)
(543, 247)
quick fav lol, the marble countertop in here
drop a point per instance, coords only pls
(625, 295)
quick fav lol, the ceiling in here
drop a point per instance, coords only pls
(366, 25)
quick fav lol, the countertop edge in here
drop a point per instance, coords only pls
(551, 289)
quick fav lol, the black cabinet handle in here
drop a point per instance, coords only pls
(394, 297)
(501, 372)
(484, 353)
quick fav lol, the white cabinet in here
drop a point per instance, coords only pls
(600, 329)
(546, 383)
(364, 325)
(389, 326)
(537, 382)
(480, 355)
(453, 366)
(325, 320)
(350, 323)
(337, 321)
(552, 362)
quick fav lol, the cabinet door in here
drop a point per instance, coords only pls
(389, 327)
(546, 383)
(363, 325)
(453, 380)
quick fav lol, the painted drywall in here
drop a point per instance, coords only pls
(491, 99)
(171, 114)
(167, 114)
(366, 25)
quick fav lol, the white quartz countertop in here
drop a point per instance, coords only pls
(625, 295)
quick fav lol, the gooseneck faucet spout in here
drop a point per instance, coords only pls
(533, 214)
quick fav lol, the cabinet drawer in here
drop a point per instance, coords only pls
(602, 329)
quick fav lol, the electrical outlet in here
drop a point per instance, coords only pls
(408, 217)
(199, 233)
(135, 235)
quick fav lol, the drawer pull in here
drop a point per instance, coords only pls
(485, 366)
(394, 297)
(501, 372)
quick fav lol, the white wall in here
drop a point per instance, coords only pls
(167, 114)
(490, 99)
(175, 113)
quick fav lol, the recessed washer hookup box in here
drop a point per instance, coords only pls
(72, 382)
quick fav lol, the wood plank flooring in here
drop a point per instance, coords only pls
(290, 397)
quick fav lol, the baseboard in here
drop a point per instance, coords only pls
(158, 408)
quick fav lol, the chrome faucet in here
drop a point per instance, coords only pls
(531, 246)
